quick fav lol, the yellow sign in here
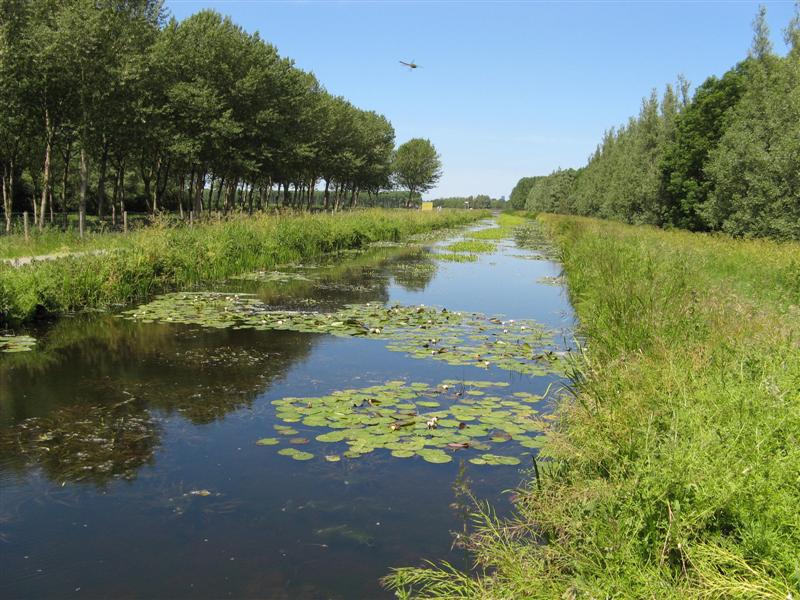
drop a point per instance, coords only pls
(428, 205)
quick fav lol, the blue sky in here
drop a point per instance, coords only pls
(506, 89)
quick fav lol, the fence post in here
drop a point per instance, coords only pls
(25, 224)
(125, 221)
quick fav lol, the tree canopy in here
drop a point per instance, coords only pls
(726, 159)
(417, 166)
(109, 105)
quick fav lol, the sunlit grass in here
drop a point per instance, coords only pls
(470, 246)
(172, 255)
(671, 470)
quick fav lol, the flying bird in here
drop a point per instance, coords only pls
(411, 65)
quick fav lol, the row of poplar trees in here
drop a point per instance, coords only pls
(102, 96)
(725, 159)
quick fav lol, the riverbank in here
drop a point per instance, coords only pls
(672, 472)
(166, 257)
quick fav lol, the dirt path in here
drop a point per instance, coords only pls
(26, 260)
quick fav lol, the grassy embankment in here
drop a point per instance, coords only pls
(673, 471)
(159, 258)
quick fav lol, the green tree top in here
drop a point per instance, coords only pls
(417, 166)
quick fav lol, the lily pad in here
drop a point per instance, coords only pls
(268, 441)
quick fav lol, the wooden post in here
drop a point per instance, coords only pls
(81, 221)
(25, 224)
(125, 221)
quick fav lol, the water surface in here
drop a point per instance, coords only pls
(128, 463)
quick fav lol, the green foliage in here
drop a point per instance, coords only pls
(479, 201)
(519, 195)
(726, 160)
(159, 258)
(552, 193)
(417, 166)
(107, 105)
(671, 470)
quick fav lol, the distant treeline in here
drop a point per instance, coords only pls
(107, 104)
(480, 201)
(725, 159)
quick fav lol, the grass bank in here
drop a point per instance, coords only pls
(168, 256)
(673, 467)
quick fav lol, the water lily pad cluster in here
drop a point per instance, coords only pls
(414, 419)
(16, 343)
(424, 332)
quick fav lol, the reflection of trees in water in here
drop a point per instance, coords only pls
(81, 407)
(91, 416)
(415, 273)
(93, 443)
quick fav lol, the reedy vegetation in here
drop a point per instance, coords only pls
(170, 256)
(108, 105)
(724, 160)
(671, 470)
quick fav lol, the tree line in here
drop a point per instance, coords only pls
(725, 158)
(110, 104)
(479, 201)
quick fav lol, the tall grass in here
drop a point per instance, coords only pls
(168, 256)
(673, 467)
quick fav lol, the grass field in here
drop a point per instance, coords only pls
(672, 469)
(168, 256)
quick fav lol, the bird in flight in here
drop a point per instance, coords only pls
(410, 65)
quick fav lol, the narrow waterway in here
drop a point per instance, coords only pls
(129, 466)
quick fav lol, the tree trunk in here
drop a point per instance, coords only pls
(326, 195)
(199, 186)
(181, 186)
(353, 197)
(217, 204)
(122, 187)
(84, 168)
(8, 192)
(101, 182)
(48, 150)
(65, 181)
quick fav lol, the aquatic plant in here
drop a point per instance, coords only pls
(170, 256)
(672, 472)
(16, 343)
(415, 419)
(473, 246)
(423, 332)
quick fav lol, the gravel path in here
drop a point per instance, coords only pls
(27, 260)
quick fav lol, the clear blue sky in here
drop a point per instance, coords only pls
(506, 89)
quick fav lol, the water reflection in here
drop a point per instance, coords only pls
(129, 376)
(128, 462)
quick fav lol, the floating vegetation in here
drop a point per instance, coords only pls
(16, 343)
(85, 443)
(415, 419)
(295, 454)
(455, 257)
(272, 276)
(268, 441)
(423, 332)
(471, 246)
(548, 280)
